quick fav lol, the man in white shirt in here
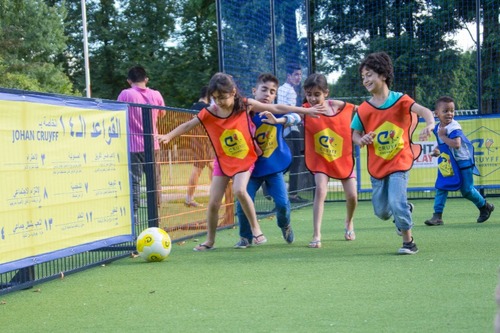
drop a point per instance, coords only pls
(288, 96)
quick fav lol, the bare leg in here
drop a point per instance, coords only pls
(193, 181)
(217, 189)
(351, 197)
(407, 237)
(240, 182)
(321, 181)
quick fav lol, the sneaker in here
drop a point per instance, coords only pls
(408, 248)
(192, 203)
(242, 244)
(398, 231)
(435, 220)
(485, 212)
(288, 235)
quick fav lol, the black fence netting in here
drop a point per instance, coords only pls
(437, 47)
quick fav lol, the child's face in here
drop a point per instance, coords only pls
(294, 78)
(372, 81)
(224, 100)
(445, 112)
(316, 96)
(265, 92)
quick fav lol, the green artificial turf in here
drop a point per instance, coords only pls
(359, 286)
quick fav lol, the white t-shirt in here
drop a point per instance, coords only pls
(462, 153)
(287, 96)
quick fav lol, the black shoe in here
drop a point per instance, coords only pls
(485, 212)
(436, 219)
(408, 248)
(297, 199)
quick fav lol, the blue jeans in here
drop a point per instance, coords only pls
(467, 189)
(276, 188)
(389, 199)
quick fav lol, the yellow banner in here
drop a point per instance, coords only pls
(482, 132)
(65, 180)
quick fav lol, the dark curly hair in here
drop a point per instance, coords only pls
(443, 99)
(380, 63)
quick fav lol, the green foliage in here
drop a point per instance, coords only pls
(41, 45)
(31, 38)
(193, 60)
(124, 33)
(416, 34)
(42, 77)
(106, 74)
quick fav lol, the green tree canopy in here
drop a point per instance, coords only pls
(31, 39)
(416, 34)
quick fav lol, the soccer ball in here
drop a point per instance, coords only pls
(154, 244)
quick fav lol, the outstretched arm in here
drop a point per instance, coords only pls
(429, 120)
(281, 109)
(268, 117)
(179, 130)
(289, 119)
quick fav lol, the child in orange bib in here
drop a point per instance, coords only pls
(384, 124)
(329, 153)
(229, 129)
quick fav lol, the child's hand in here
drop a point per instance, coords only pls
(435, 152)
(163, 138)
(269, 118)
(367, 139)
(426, 133)
(316, 110)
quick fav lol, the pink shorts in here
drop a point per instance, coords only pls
(218, 172)
(352, 175)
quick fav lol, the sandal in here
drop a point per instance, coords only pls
(259, 240)
(349, 235)
(203, 248)
(315, 244)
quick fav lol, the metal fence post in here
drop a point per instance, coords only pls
(149, 168)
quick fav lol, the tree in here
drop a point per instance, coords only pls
(490, 51)
(105, 37)
(31, 38)
(416, 34)
(193, 56)
(121, 34)
(144, 30)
